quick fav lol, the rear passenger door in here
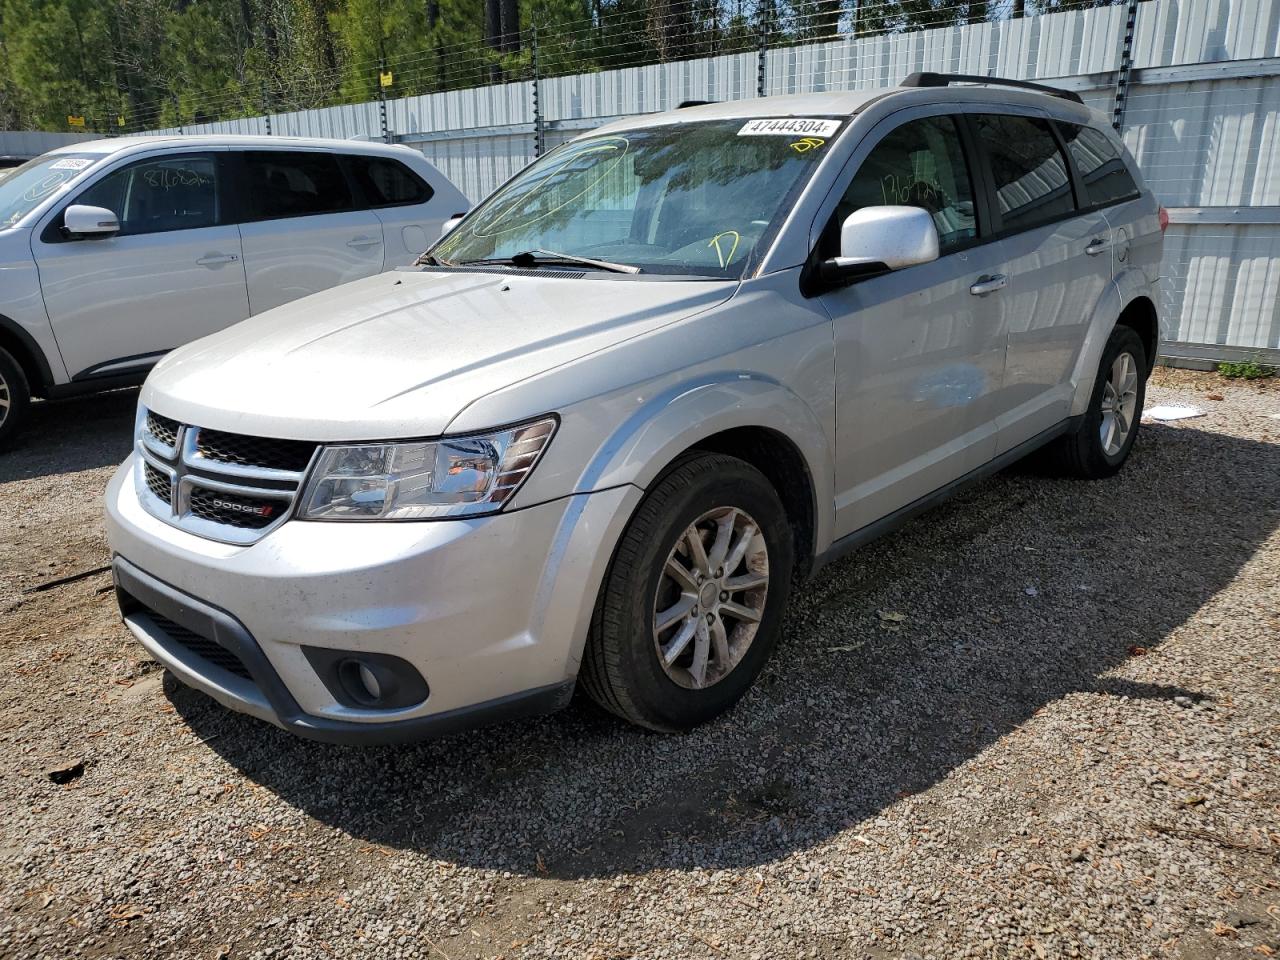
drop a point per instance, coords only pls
(1053, 258)
(300, 227)
(401, 200)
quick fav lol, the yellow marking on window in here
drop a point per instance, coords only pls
(805, 144)
(715, 243)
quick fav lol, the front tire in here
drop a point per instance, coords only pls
(692, 603)
(15, 397)
(1099, 448)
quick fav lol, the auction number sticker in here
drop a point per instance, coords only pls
(789, 127)
(70, 163)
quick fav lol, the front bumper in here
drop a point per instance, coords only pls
(492, 611)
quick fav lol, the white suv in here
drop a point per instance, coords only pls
(595, 436)
(113, 252)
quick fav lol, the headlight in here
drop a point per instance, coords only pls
(424, 479)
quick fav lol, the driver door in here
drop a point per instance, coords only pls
(172, 273)
(919, 355)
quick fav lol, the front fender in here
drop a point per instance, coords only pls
(634, 455)
(678, 418)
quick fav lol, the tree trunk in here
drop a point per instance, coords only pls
(510, 10)
(493, 35)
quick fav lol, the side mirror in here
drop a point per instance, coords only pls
(450, 224)
(83, 221)
(875, 239)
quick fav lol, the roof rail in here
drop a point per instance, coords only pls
(692, 103)
(927, 79)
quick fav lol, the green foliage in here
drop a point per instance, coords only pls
(158, 63)
(1246, 370)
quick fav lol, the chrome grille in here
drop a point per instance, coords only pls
(162, 428)
(254, 451)
(223, 486)
(158, 482)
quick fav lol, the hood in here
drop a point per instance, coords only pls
(401, 354)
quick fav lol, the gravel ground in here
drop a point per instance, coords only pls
(1040, 722)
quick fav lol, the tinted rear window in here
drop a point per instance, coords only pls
(1028, 170)
(388, 183)
(1106, 177)
(293, 184)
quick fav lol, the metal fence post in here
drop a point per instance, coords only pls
(266, 107)
(382, 102)
(1126, 66)
(539, 140)
(762, 51)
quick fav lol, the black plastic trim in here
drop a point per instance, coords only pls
(137, 590)
(887, 524)
(78, 388)
(145, 361)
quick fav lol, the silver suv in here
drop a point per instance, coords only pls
(603, 426)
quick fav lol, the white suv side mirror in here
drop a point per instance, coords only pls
(84, 221)
(450, 224)
(875, 239)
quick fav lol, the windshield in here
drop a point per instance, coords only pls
(690, 198)
(26, 186)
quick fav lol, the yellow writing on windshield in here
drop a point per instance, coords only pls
(720, 255)
(805, 144)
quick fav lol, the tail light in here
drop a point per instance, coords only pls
(1164, 219)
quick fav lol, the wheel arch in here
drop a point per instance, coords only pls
(1140, 315)
(1125, 302)
(28, 354)
(747, 416)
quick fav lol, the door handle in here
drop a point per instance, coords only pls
(989, 284)
(1097, 246)
(213, 259)
(363, 242)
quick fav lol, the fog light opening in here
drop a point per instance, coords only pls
(369, 681)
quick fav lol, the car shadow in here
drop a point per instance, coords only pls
(65, 436)
(1020, 592)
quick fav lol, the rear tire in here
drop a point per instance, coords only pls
(682, 628)
(1101, 444)
(15, 397)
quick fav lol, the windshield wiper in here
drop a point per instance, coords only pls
(532, 258)
(431, 260)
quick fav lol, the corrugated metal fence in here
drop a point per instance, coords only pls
(1202, 117)
(32, 143)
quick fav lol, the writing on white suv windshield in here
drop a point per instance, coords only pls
(26, 186)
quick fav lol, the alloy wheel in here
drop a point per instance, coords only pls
(1119, 404)
(6, 399)
(710, 598)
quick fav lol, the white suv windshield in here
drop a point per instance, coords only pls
(26, 186)
(690, 198)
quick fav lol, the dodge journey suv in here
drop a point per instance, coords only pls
(602, 427)
(113, 252)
